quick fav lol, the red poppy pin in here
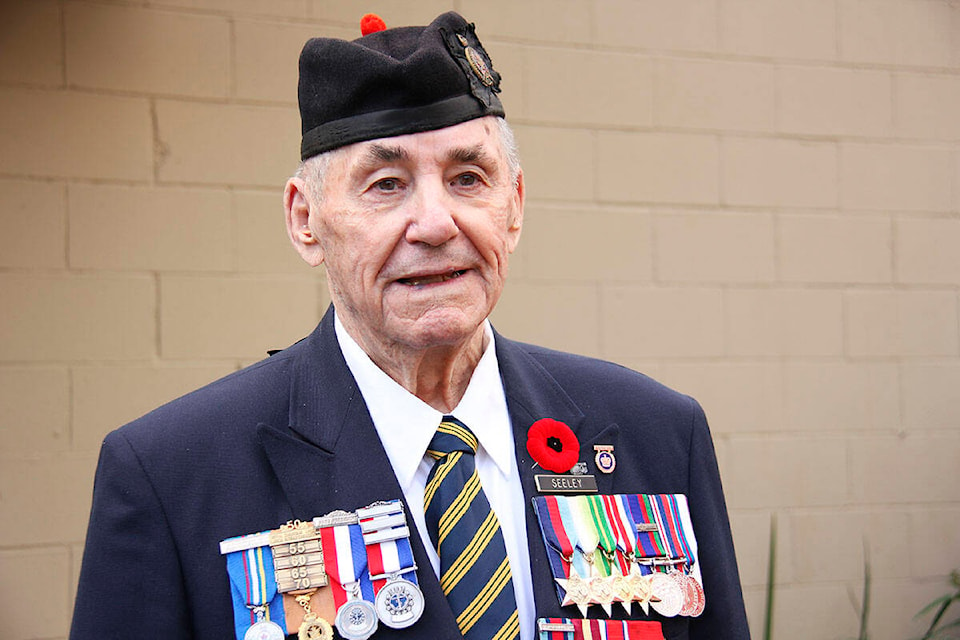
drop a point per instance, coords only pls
(553, 445)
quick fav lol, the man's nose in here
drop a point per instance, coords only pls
(432, 218)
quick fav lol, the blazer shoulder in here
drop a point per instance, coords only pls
(258, 393)
(588, 377)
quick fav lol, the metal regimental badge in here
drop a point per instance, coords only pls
(356, 620)
(399, 603)
(605, 460)
(477, 63)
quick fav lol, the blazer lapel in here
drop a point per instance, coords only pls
(329, 457)
(533, 394)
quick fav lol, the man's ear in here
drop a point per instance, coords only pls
(515, 222)
(297, 208)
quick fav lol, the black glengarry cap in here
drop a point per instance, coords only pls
(394, 82)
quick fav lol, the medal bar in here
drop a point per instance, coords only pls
(379, 509)
(333, 519)
(298, 557)
(396, 519)
(242, 543)
(386, 535)
(543, 625)
(660, 561)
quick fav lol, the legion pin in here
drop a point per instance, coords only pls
(605, 460)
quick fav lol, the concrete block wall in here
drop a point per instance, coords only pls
(757, 202)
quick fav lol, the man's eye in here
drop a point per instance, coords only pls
(387, 184)
(466, 180)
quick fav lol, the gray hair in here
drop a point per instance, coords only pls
(313, 170)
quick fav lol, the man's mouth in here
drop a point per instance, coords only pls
(420, 281)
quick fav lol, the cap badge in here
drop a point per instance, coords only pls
(477, 65)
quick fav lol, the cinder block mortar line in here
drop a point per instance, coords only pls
(63, 42)
(200, 11)
(725, 56)
(773, 134)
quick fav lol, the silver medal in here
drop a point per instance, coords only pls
(399, 603)
(669, 594)
(356, 620)
(265, 630)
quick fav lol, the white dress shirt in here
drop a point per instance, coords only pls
(406, 425)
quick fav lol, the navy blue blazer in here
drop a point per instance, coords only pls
(290, 437)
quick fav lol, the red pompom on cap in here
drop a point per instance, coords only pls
(371, 23)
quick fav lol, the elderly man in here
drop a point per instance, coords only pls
(404, 471)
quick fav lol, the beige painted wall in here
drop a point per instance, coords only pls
(756, 201)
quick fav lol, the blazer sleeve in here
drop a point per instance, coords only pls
(131, 584)
(724, 617)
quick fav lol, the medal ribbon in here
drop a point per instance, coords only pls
(601, 524)
(345, 558)
(253, 584)
(548, 514)
(589, 537)
(391, 558)
(595, 629)
(669, 512)
(568, 524)
(544, 634)
(624, 530)
(649, 541)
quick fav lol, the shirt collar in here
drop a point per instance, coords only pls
(406, 424)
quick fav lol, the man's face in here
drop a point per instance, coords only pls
(415, 231)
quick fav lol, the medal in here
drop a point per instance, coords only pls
(314, 627)
(668, 594)
(571, 589)
(576, 592)
(356, 620)
(345, 556)
(625, 534)
(399, 602)
(265, 630)
(257, 607)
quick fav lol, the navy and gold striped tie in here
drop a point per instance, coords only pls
(474, 570)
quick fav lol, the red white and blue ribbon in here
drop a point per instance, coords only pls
(387, 539)
(345, 560)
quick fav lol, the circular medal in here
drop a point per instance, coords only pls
(701, 597)
(356, 620)
(265, 630)
(668, 595)
(314, 627)
(399, 603)
(689, 594)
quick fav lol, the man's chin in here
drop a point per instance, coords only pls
(444, 327)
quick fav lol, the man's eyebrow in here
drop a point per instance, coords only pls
(377, 154)
(476, 154)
